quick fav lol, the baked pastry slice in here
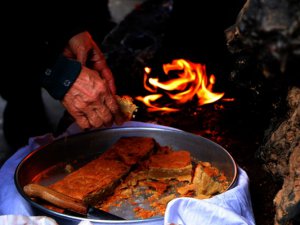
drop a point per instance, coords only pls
(97, 179)
(172, 165)
(94, 181)
(127, 106)
(132, 150)
(207, 181)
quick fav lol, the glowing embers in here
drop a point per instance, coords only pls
(187, 82)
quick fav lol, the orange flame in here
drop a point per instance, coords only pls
(191, 81)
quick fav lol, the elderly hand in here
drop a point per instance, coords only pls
(83, 48)
(91, 103)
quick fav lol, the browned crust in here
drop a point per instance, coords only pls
(131, 150)
(92, 182)
(97, 179)
(206, 184)
(171, 165)
(164, 173)
(127, 106)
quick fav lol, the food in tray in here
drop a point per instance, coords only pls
(173, 165)
(208, 180)
(98, 178)
(165, 175)
(127, 106)
(131, 150)
(94, 181)
(139, 176)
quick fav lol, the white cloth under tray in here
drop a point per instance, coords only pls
(230, 208)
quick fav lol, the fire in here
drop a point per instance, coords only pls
(189, 83)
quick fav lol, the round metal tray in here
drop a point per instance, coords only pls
(86, 145)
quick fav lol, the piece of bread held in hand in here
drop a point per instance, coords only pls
(127, 106)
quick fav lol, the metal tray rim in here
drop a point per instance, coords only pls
(114, 129)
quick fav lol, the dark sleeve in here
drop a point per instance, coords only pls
(58, 79)
(61, 23)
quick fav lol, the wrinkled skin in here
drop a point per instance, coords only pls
(83, 48)
(91, 99)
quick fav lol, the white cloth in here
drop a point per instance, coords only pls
(22, 220)
(31, 220)
(232, 207)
